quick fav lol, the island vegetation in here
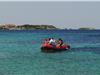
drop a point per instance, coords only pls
(86, 28)
(35, 27)
(25, 27)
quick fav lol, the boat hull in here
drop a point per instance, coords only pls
(47, 49)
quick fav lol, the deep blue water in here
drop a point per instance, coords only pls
(20, 53)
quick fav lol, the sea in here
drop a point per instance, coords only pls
(20, 53)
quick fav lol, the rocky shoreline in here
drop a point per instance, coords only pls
(25, 27)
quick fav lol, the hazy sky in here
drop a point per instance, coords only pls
(61, 14)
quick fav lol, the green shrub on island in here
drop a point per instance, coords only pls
(25, 27)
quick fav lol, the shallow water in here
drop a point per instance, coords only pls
(20, 53)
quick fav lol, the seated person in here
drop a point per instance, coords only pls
(52, 42)
(46, 41)
(60, 42)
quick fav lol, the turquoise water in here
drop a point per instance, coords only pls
(20, 53)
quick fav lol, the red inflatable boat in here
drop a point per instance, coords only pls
(50, 48)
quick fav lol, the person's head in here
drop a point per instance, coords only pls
(46, 39)
(52, 38)
(49, 38)
(59, 39)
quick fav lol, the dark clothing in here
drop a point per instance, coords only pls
(60, 42)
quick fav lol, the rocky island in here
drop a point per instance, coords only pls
(86, 28)
(25, 27)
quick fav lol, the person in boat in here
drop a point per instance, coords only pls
(52, 42)
(60, 42)
(46, 41)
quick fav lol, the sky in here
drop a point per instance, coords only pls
(49, 0)
(62, 14)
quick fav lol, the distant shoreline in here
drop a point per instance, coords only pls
(26, 27)
(37, 27)
(50, 30)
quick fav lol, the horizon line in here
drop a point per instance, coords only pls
(52, 25)
(49, 0)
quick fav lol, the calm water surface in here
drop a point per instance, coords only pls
(20, 53)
